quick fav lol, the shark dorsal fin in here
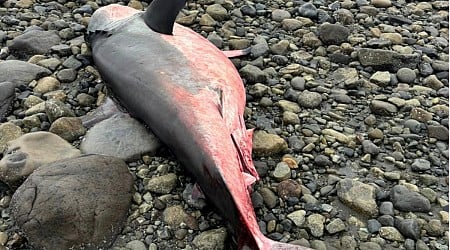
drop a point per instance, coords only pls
(161, 14)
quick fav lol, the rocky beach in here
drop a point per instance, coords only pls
(349, 101)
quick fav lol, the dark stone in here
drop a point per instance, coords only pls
(387, 60)
(333, 33)
(34, 42)
(438, 131)
(409, 228)
(308, 10)
(75, 203)
(373, 226)
(409, 201)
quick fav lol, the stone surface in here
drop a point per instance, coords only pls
(30, 151)
(409, 201)
(387, 60)
(21, 73)
(120, 136)
(68, 128)
(211, 239)
(268, 144)
(34, 42)
(7, 95)
(357, 195)
(333, 33)
(8, 132)
(78, 202)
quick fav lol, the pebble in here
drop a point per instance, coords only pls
(217, 11)
(46, 84)
(420, 165)
(333, 33)
(211, 239)
(268, 144)
(68, 128)
(406, 75)
(315, 224)
(391, 233)
(309, 99)
(282, 171)
(409, 201)
(136, 245)
(382, 108)
(253, 74)
(409, 228)
(162, 184)
(269, 197)
(279, 15)
(8, 132)
(381, 78)
(439, 132)
(358, 196)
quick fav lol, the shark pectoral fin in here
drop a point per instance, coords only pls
(243, 143)
(236, 53)
(248, 179)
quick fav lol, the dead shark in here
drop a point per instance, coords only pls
(191, 97)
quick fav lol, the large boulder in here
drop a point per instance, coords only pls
(78, 203)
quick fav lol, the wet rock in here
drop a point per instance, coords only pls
(30, 151)
(357, 195)
(387, 60)
(268, 144)
(8, 132)
(409, 201)
(162, 184)
(7, 95)
(34, 42)
(68, 128)
(79, 202)
(21, 73)
(333, 33)
(120, 136)
(211, 239)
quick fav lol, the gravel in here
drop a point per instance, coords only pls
(355, 92)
